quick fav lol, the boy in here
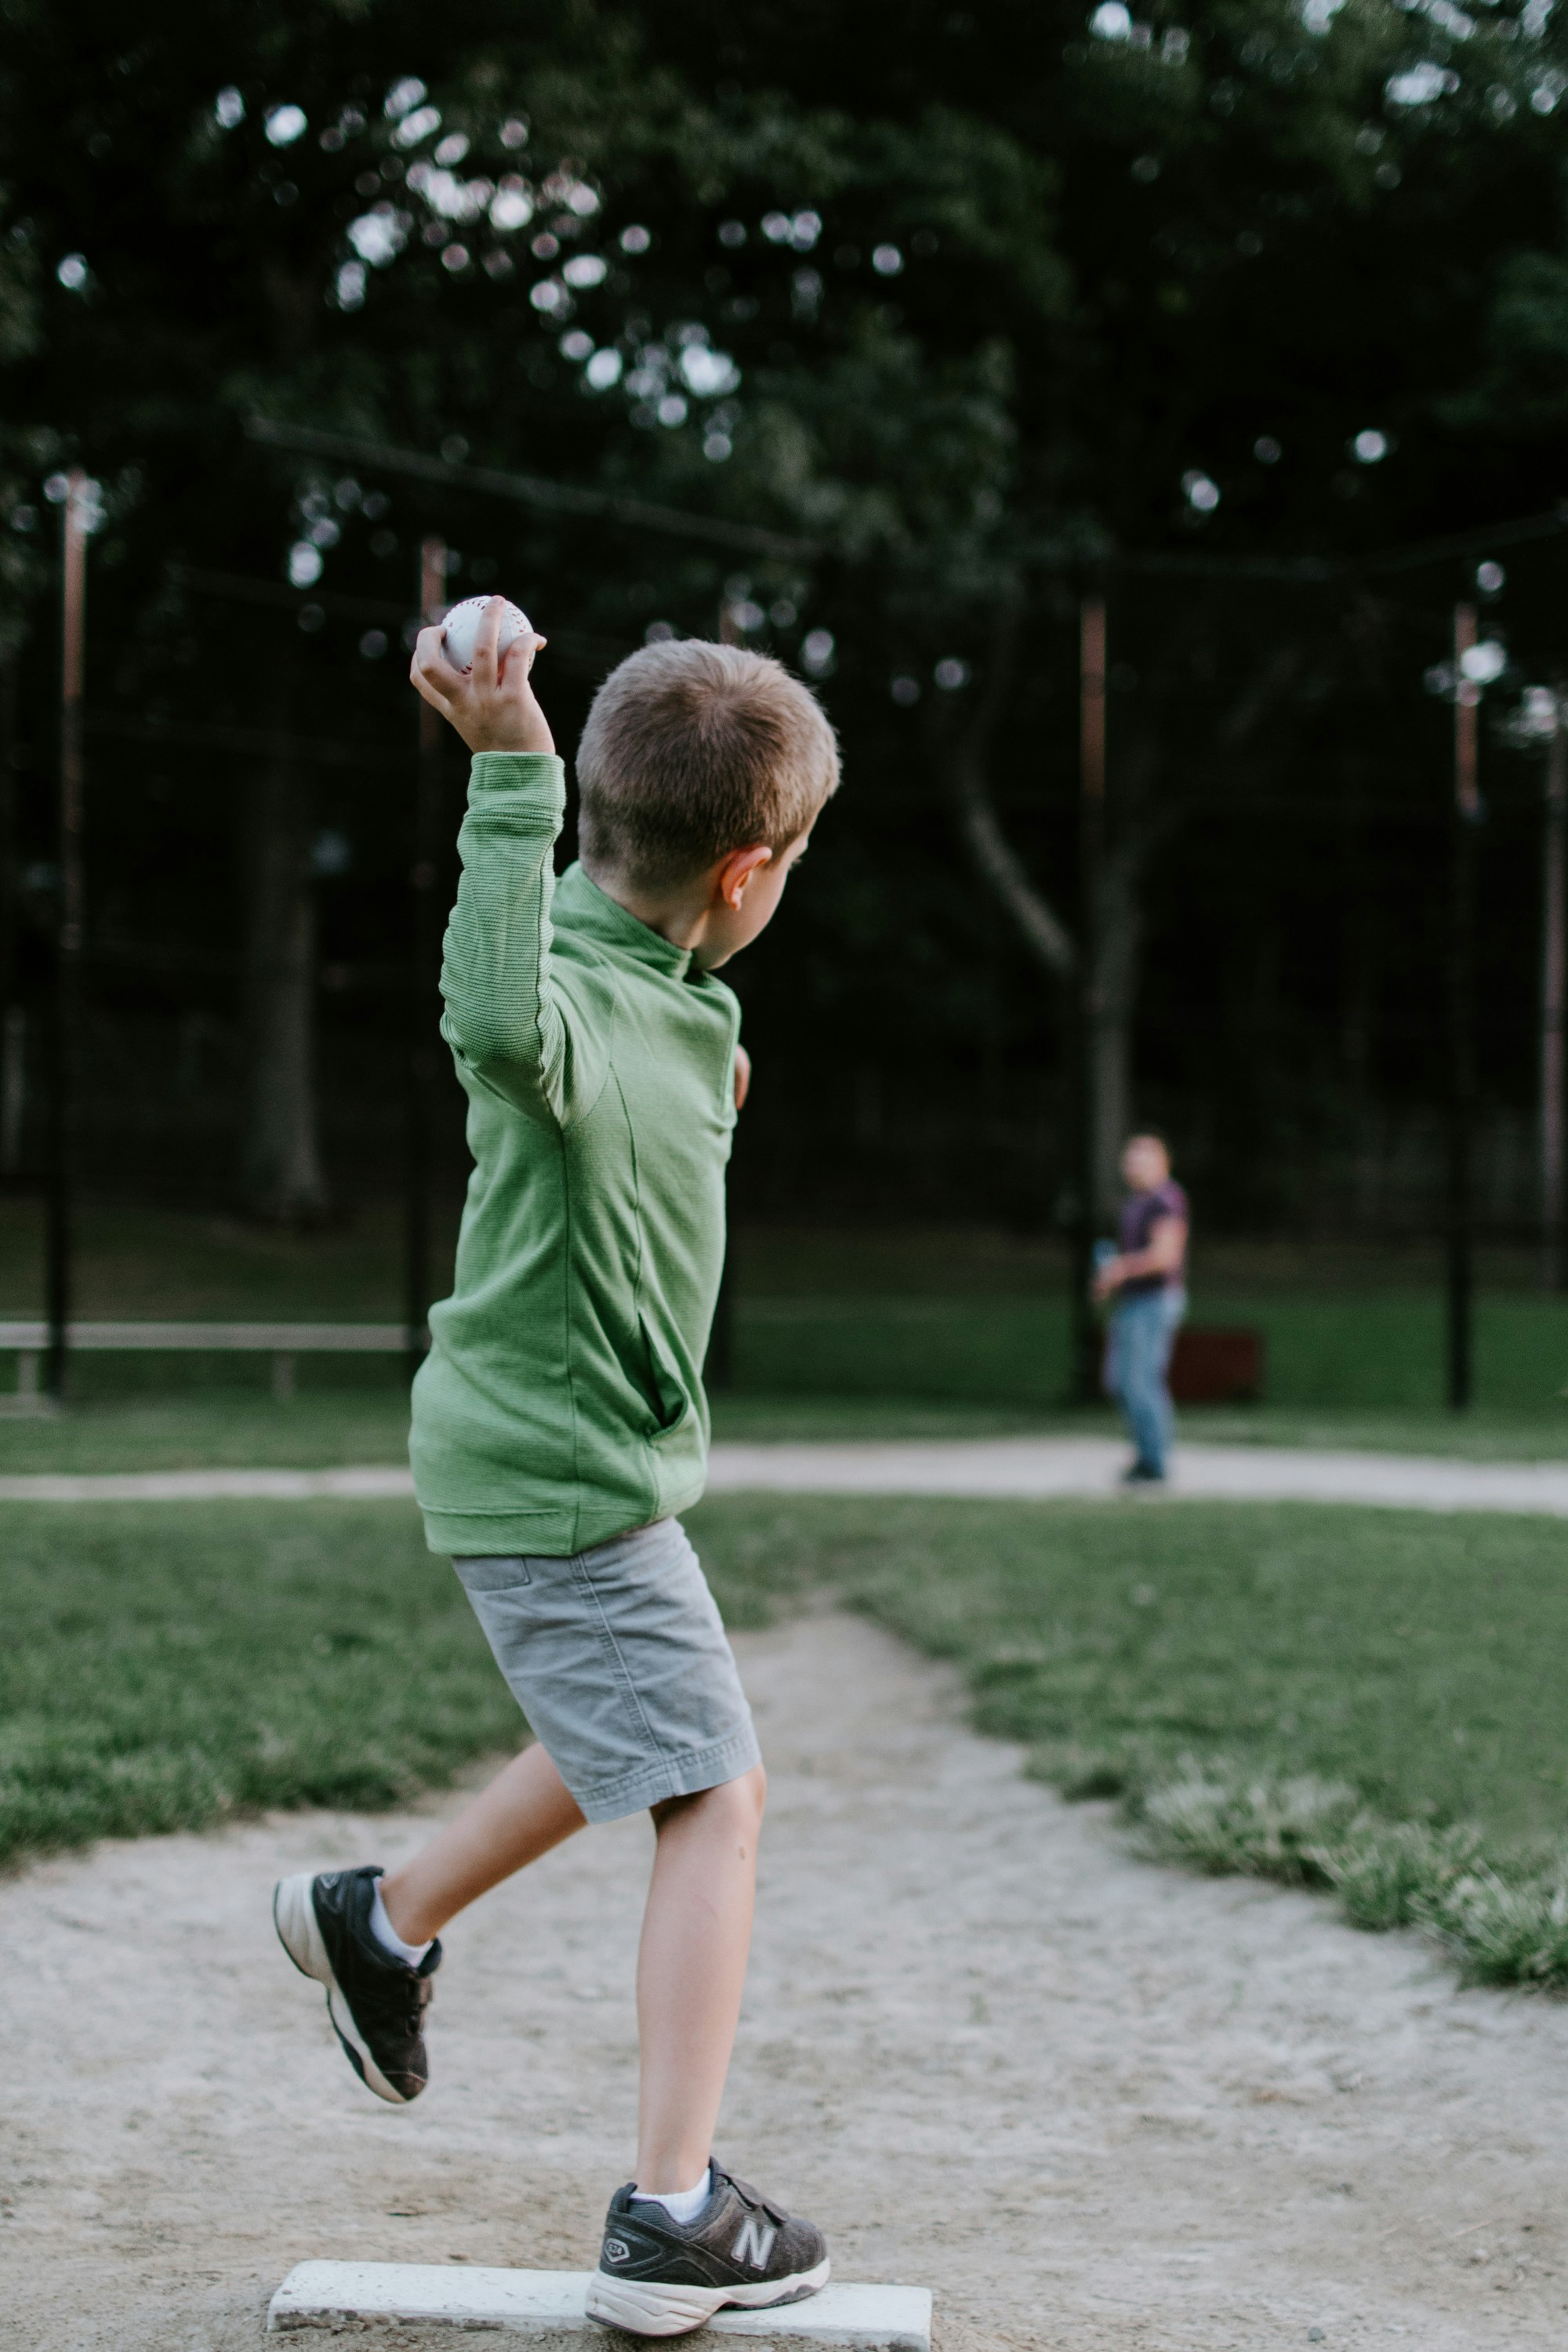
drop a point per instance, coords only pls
(1147, 1277)
(559, 1419)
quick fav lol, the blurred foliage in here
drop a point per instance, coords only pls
(952, 286)
(964, 295)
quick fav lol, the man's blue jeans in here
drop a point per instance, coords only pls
(1138, 1344)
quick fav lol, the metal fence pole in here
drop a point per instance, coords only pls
(1084, 1327)
(1553, 989)
(61, 1173)
(13, 1023)
(1465, 818)
(424, 979)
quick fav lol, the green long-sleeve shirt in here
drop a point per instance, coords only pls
(561, 1400)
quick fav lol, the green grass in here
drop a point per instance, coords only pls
(1345, 1354)
(220, 1427)
(225, 1426)
(1348, 1329)
(219, 1423)
(1422, 1656)
(960, 1320)
(168, 1667)
(165, 1667)
(1371, 1700)
(133, 1261)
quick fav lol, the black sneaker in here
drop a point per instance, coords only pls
(1142, 1474)
(662, 2277)
(377, 2004)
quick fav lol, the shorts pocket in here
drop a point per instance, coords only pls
(500, 1574)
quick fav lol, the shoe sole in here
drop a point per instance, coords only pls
(300, 1933)
(646, 2307)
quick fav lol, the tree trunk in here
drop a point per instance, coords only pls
(1106, 961)
(281, 1179)
(965, 761)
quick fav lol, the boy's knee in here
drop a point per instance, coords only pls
(739, 1802)
(742, 1801)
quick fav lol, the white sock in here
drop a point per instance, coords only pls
(681, 2204)
(387, 1936)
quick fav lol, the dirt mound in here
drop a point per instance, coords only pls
(1091, 2103)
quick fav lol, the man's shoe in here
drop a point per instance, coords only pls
(1142, 1474)
(377, 2004)
(658, 2276)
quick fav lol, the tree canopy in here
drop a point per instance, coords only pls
(932, 274)
(966, 297)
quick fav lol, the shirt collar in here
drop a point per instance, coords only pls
(591, 911)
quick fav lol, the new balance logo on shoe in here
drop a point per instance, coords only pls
(754, 2243)
(664, 2277)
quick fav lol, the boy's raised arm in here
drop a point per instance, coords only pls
(502, 1013)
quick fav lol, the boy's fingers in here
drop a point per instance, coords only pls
(518, 659)
(487, 661)
(426, 685)
(432, 673)
(430, 655)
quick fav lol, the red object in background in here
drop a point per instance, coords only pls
(1215, 1366)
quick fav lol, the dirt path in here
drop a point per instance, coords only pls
(1023, 1468)
(1091, 2103)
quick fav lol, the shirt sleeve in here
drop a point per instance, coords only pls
(505, 1018)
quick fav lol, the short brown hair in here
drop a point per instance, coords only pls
(692, 750)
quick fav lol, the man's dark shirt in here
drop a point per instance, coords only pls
(1140, 1212)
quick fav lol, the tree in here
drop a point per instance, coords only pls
(973, 301)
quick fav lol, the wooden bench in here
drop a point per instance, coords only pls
(1215, 1365)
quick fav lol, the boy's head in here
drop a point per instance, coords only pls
(1145, 1162)
(695, 754)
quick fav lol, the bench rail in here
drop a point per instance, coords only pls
(282, 1341)
(258, 1339)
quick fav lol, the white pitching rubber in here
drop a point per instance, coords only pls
(542, 2303)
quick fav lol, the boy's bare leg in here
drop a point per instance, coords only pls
(696, 1939)
(525, 1810)
(692, 1968)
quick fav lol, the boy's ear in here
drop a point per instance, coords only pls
(735, 871)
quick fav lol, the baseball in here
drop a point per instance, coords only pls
(462, 629)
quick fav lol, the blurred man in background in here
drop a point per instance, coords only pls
(1146, 1278)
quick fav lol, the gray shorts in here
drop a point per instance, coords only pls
(618, 1659)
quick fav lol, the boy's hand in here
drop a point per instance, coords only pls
(492, 708)
(742, 1076)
